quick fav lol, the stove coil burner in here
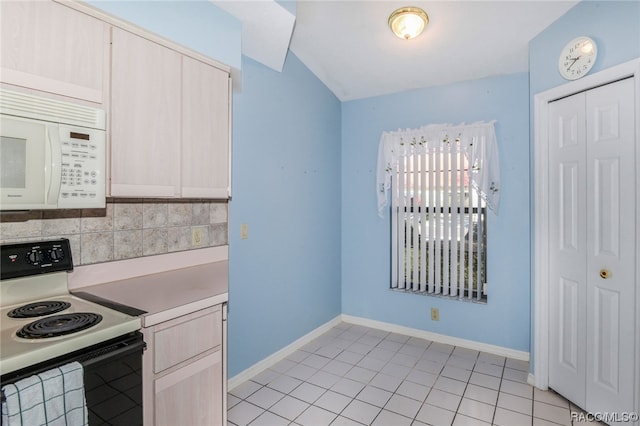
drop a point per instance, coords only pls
(59, 325)
(38, 309)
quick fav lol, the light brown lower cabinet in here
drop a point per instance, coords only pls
(184, 370)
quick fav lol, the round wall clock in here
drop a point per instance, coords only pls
(577, 58)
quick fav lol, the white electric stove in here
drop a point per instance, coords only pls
(39, 319)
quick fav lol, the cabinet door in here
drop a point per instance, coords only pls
(49, 47)
(205, 130)
(181, 339)
(191, 395)
(145, 117)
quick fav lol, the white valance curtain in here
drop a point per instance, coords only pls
(476, 141)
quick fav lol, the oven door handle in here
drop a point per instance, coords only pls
(101, 355)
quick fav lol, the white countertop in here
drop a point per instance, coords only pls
(167, 294)
(170, 294)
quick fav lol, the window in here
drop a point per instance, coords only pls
(438, 226)
(440, 188)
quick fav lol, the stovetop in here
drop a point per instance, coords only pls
(17, 352)
(48, 285)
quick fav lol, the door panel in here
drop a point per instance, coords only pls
(568, 128)
(606, 123)
(606, 192)
(569, 208)
(567, 222)
(592, 175)
(569, 333)
(606, 339)
(611, 180)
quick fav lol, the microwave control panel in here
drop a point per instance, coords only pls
(82, 168)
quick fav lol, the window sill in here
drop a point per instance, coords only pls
(481, 301)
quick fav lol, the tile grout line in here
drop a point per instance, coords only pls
(356, 336)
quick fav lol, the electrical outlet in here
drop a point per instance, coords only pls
(244, 231)
(435, 314)
(197, 235)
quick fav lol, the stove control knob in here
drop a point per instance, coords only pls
(56, 254)
(35, 256)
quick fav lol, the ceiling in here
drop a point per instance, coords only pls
(350, 48)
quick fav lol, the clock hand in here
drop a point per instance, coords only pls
(574, 61)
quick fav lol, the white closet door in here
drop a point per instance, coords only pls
(567, 289)
(592, 175)
(611, 213)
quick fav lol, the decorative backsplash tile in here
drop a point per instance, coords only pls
(125, 229)
(95, 247)
(179, 214)
(156, 215)
(154, 241)
(127, 244)
(127, 216)
(179, 238)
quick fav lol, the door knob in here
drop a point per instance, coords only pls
(604, 274)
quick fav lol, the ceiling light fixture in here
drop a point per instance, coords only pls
(408, 22)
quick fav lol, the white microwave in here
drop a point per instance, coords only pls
(52, 154)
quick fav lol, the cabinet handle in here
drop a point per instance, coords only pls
(604, 274)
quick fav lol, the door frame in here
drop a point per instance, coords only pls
(540, 272)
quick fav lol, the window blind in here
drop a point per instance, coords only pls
(435, 179)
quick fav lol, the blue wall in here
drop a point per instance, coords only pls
(304, 174)
(504, 320)
(284, 278)
(613, 25)
(198, 25)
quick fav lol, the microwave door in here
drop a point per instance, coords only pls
(23, 151)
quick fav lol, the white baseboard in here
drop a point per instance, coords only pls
(440, 338)
(274, 358)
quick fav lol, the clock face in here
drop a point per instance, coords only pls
(577, 58)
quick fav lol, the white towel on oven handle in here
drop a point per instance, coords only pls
(54, 397)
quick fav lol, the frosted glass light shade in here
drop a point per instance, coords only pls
(408, 22)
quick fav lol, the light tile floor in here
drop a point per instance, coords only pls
(355, 375)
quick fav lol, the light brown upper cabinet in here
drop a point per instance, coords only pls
(145, 117)
(49, 47)
(205, 130)
(169, 122)
(168, 107)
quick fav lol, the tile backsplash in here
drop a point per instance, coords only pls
(125, 229)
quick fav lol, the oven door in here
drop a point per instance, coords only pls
(113, 384)
(112, 379)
